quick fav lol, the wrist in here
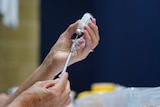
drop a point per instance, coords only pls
(51, 65)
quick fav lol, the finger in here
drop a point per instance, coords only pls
(94, 21)
(70, 30)
(88, 42)
(66, 92)
(47, 83)
(93, 34)
(61, 84)
(51, 84)
(94, 28)
(67, 102)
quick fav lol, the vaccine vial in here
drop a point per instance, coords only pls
(87, 17)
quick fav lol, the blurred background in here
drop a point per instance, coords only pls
(19, 42)
(128, 53)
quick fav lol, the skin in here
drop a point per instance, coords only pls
(54, 61)
(3, 97)
(50, 93)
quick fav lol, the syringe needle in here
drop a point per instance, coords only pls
(69, 55)
(67, 62)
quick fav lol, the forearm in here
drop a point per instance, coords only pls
(47, 70)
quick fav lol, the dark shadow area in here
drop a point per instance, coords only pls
(129, 49)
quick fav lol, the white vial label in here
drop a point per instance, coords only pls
(84, 21)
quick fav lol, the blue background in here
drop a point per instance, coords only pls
(129, 49)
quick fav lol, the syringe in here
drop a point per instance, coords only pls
(80, 29)
(70, 54)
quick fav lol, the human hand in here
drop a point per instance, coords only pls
(50, 93)
(85, 44)
(55, 60)
(3, 98)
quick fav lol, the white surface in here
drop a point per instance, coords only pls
(9, 9)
